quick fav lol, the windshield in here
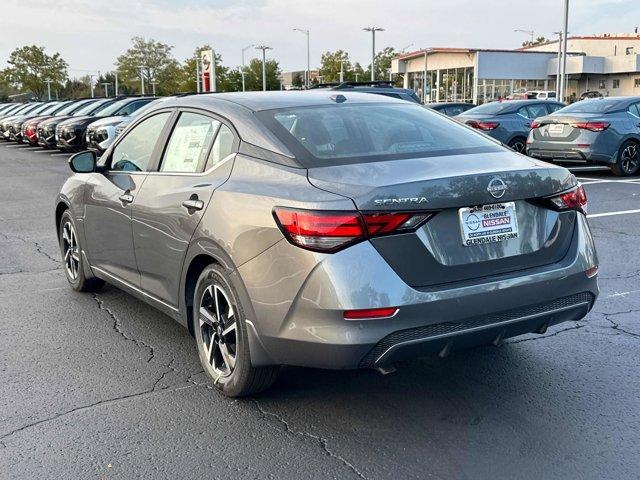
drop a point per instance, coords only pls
(113, 108)
(59, 107)
(149, 105)
(69, 109)
(597, 105)
(89, 109)
(29, 107)
(47, 108)
(370, 132)
(492, 108)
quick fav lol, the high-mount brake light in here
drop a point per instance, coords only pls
(329, 231)
(574, 199)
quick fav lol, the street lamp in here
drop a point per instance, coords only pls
(563, 70)
(142, 79)
(264, 49)
(106, 88)
(153, 86)
(242, 71)
(373, 31)
(528, 32)
(308, 75)
(91, 83)
(48, 82)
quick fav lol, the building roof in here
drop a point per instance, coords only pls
(418, 53)
(604, 36)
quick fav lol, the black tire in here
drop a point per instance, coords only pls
(518, 144)
(72, 259)
(242, 378)
(628, 161)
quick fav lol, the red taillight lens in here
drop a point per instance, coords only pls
(329, 231)
(575, 199)
(535, 124)
(592, 126)
(370, 313)
(483, 125)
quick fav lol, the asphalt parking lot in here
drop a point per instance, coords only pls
(104, 386)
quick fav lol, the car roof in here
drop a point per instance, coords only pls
(257, 101)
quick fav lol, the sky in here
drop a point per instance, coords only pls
(91, 34)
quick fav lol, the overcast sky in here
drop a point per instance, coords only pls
(91, 34)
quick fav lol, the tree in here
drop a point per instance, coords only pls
(76, 88)
(154, 62)
(30, 66)
(383, 64)
(537, 41)
(225, 82)
(6, 88)
(330, 64)
(297, 80)
(253, 75)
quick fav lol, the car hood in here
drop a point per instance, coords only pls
(56, 120)
(78, 121)
(108, 121)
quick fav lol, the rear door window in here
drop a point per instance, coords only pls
(189, 143)
(634, 109)
(537, 110)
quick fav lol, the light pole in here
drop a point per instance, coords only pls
(264, 49)
(528, 32)
(106, 88)
(242, 71)
(341, 71)
(308, 75)
(153, 86)
(49, 82)
(559, 62)
(141, 79)
(563, 69)
(373, 31)
(116, 84)
(91, 84)
(197, 74)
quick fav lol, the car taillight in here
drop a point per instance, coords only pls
(535, 124)
(592, 126)
(486, 126)
(575, 199)
(329, 231)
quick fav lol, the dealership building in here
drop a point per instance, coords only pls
(608, 63)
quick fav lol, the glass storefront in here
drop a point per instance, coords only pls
(490, 90)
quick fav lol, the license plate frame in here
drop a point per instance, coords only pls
(556, 130)
(493, 223)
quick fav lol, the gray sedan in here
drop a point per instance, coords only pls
(508, 121)
(602, 131)
(326, 229)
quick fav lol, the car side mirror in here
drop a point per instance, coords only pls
(83, 162)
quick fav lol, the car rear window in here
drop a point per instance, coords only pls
(492, 108)
(597, 105)
(368, 132)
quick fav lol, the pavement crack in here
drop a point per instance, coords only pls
(323, 442)
(38, 247)
(117, 326)
(616, 326)
(170, 368)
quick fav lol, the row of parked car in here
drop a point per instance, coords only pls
(602, 131)
(70, 125)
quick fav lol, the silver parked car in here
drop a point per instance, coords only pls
(325, 229)
(601, 131)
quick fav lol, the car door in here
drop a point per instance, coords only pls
(110, 194)
(197, 159)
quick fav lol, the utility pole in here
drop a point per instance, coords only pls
(341, 71)
(308, 73)
(141, 80)
(49, 82)
(424, 79)
(373, 31)
(528, 32)
(264, 49)
(106, 88)
(559, 62)
(243, 67)
(116, 85)
(563, 70)
(91, 84)
(153, 86)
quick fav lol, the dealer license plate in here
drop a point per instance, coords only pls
(488, 223)
(556, 129)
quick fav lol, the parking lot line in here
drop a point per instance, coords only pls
(591, 181)
(609, 214)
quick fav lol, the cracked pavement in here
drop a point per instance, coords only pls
(104, 386)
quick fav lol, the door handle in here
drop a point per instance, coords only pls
(193, 204)
(126, 198)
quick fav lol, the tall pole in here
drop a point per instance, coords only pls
(559, 60)
(264, 49)
(214, 79)
(116, 86)
(373, 31)
(563, 71)
(341, 71)
(243, 67)
(106, 88)
(197, 74)
(49, 82)
(141, 80)
(153, 86)
(424, 80)
(307, 78)
(91, 84)
(528, 32)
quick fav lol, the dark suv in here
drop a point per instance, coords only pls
(379, 87)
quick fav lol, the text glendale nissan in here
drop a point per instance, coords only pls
(324, 229)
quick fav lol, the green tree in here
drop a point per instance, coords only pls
(330, 66)
(537, 41)
(297, 80)
(30, 66)
(225, 81)
(6, 88)
(383, 64)
(154, 62)
(253, 75)
(76, 88)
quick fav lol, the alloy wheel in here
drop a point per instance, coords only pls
(218, 329)
(630, 159)
(71, 251)
(518, 146)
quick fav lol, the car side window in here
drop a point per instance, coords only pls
(133, 152)
(454, 110)
(523, 112)
(634, 109)
(189, 143)
(222, 147)
(536, 110)
(132, 107)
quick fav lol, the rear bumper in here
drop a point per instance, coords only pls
(570, 152)
(309, 329)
